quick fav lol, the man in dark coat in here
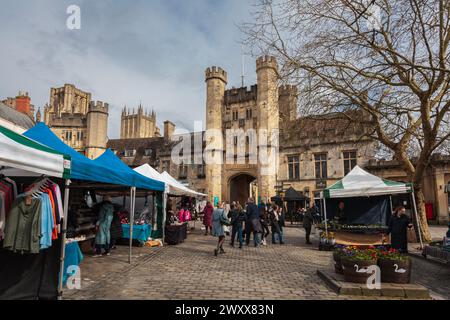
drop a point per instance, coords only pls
(308, 222)
(253, 221)
(398, 226)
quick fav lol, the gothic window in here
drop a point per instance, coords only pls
(294, 167)
(183, 171)
(349, 161)
(79, 135)
(201, 170)
(320, 160)
(68, 135)
(148, 152)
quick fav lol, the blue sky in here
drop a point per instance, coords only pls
(152, 51)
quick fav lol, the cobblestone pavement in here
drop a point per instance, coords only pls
(190, 271)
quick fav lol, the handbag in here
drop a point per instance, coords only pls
(224, 221)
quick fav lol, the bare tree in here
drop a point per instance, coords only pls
(388, 58)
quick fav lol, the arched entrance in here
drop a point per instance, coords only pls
(242, 186)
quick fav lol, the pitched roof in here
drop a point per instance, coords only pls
(18, 118)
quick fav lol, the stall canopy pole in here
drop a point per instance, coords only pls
(325, 213)
(164, 215)
(132, 199)
(63, 239)
(417, 218)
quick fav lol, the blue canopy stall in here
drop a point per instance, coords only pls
(109, 169)
(108, 158)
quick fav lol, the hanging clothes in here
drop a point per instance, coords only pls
(8, 193)
(23, 226)
(47, 222)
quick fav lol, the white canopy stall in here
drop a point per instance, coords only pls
(360, 183)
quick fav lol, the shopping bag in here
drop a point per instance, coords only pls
(313, 229)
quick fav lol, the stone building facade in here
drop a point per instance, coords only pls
(78, 121)
(138, 125)
(436, 184)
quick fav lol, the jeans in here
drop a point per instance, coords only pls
(237, 230)
(257, 238)
(279, 233)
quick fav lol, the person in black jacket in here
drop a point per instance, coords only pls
(398, 226)
(264, 220)
(253, 222)
(238, 217)
(116, 227)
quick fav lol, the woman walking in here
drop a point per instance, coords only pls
(207, 217)
(219, 220)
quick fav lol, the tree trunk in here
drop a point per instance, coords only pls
(422, 224)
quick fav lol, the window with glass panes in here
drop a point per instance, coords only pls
(183, 171)
(165, 166)
(294, 167)
(349, 161)
(321, 165)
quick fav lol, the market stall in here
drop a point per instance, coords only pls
(106, 175)
(30, 265)
(357, 208)
(174, 231)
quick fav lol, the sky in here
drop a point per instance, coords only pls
(126, 52)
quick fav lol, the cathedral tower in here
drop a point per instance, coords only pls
(97, 129)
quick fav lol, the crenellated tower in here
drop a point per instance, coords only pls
(268, 125)
(140, 124)
(216, 81)
(97, 128)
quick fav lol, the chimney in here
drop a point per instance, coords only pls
(169, 128)
(23, 103)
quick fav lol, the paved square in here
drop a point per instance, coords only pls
(191, 271)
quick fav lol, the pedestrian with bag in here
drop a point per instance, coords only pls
(254, 223)
(274, 220)
(219, 220)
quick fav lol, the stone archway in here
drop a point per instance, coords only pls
(240, 187)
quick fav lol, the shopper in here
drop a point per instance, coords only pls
(207, 217)
(264, 220)
(308, 220)
(219, 220)
(254, 224)
(238, 218)
(398, 226)
(116, 229)
(274, 219)
(103, 226)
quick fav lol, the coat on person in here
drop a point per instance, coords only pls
(207, 215)
(253, 218)
(103, 236)
(219, 220)
(398, 227)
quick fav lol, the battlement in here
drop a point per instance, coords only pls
(216, 73)
(98, 106)
(243, 94)
(266, 62)
(288, 90)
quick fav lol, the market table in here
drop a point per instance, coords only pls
(141, 232)
(175, 233)
(358, 239)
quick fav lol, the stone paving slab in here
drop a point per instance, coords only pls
(191, 271)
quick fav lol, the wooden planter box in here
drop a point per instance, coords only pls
(395, 271)
(354, 271)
